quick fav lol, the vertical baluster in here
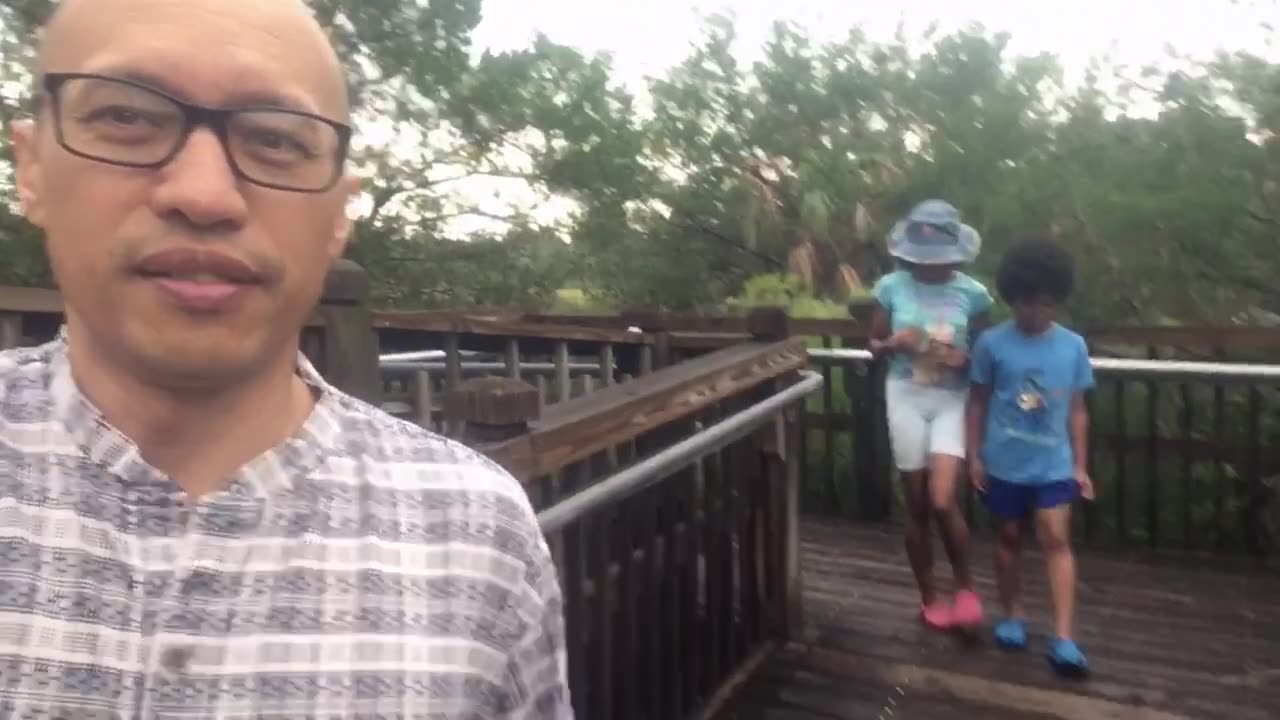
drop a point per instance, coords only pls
(577, 613)
(1188, 464)
(606, 365)
(422, 400)
(452, 378)
(540, 382)
(1091, 509)
(621, 536)
(563, 388)
(1219, 465)
(1252, 490)
(11, 331)
(1153, 459)
(512, 358)
(1121, 445)
(828, 435)
(694, 606)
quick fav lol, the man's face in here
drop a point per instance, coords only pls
(186, 273)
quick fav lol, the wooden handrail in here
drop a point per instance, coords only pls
(502, 325)
(579, 428)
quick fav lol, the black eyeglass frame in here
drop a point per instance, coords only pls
(216, 119)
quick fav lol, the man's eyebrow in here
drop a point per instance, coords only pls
(241, 97)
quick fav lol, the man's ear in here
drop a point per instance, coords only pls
(348, 187)
(30, 181)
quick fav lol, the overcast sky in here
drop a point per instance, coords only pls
(647, 36)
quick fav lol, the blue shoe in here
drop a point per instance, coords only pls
(1011, 634)
(1067, 659)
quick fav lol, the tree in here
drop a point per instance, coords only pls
(545, 118)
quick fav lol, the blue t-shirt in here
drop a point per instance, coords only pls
(941, 310)
(1033, 380)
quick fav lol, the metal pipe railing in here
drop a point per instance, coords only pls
(404, 366)
(660, 465)
(1221, 371)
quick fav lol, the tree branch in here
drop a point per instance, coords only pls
(733, 243)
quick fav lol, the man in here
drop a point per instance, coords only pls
(192, 523)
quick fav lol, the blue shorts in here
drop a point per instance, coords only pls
(1014, 501)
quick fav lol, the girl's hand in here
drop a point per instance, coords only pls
(907, 339)
(953, 356)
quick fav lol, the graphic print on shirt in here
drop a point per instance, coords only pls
(943, 315)
(1030, 416)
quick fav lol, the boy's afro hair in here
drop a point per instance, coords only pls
(1035, 268)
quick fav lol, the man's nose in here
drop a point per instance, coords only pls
(200, 186)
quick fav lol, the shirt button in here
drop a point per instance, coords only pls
(176, 659)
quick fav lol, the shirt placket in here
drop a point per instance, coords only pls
(168, 655)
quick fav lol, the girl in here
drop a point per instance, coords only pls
(927, 314)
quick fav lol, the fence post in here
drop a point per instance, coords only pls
(769, 324)
(492, 409)
(10, 330)
(780, 443)
(350, 355)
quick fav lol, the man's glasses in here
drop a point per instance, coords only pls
(124, 123)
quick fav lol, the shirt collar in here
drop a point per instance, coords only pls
(270, 472)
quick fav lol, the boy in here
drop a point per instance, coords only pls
(1027, 428)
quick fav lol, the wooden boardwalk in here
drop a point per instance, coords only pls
(1164, 641)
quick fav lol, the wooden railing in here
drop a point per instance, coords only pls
(682, 577)
(560, 361)
(693, 334)
(1182, 453)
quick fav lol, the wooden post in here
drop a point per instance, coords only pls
(10, 330)
(493, 409)
(781, 444)
(350, 345)
(769, 324)
(793, 589)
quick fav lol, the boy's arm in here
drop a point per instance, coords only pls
(975, 423)
(1080, 430)
(1079, 422)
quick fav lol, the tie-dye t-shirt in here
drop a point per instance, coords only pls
(942, 311)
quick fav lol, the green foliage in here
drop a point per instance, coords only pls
(782, 290)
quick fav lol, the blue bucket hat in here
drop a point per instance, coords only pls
(932, 234)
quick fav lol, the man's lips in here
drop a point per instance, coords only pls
(198, 266)
(198, 279)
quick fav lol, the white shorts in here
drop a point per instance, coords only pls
(924, 420)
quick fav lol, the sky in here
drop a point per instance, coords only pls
(644, 38)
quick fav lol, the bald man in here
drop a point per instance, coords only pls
(192, 522)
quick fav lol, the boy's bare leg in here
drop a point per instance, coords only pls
(944, 472)
(919, 545)
(1053, 526)
(1009, 567)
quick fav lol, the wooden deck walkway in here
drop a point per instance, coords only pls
(1164, 641)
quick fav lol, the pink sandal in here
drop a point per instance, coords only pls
(967, 611)
(937, 615)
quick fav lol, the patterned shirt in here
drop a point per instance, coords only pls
(365, 568)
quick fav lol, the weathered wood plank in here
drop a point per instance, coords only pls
(503, 325)
(1167, 640)
(30, 300)
(576, 429)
